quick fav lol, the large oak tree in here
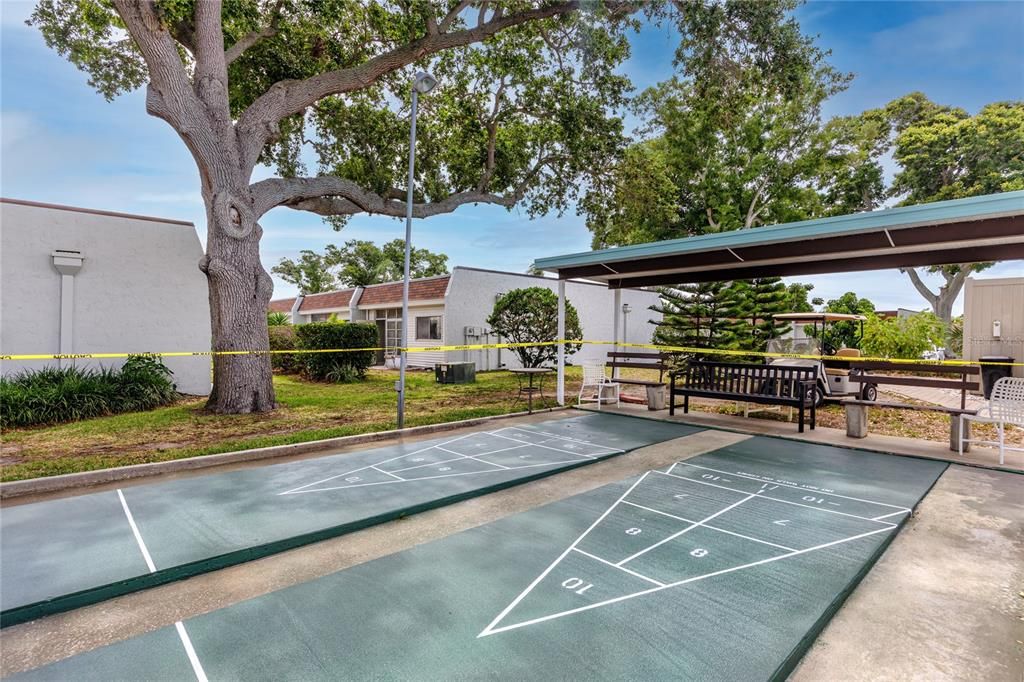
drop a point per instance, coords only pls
(524, 111)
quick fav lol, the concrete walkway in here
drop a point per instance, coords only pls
(946, 397)
(946, 600)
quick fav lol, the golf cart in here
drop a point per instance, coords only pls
(834, 367)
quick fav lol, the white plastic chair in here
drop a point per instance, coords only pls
(594, 377)
(1005, 407)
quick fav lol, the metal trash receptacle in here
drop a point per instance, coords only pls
(990, 374)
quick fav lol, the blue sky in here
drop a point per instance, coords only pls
(63, 143)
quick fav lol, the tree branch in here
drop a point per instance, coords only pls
(258, 124)
(330, 196)
(450, 18)
(921, 287)
(253, 37)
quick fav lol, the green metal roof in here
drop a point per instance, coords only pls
(989, 206)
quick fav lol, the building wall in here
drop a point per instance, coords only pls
(425, 359)
(139, 289)
(471, 298)
(986, 300)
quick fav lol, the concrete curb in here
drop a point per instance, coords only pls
(84, 479)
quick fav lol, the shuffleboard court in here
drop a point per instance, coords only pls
(64, 553)
(723, 566)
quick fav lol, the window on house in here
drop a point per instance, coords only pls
(428, 328)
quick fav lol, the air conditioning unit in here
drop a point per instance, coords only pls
(474, 331)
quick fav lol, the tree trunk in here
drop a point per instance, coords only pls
(240, 291)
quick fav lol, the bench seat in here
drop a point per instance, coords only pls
(857, 417)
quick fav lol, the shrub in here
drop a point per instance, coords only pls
(905, 338)
(54, 395)
(338, 367)
(277, 319)
(282, 337)
(531, 316)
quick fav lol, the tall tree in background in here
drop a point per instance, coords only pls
(523, 111)
(760, 299)
(944, 153)
(358, 263)
(698, 316)
(845, 334)
(737, 135)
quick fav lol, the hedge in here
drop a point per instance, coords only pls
(337, 367)
(282, 337)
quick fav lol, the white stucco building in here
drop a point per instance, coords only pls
(453, 309)
(75, 280)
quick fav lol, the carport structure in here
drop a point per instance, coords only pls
(982, 228)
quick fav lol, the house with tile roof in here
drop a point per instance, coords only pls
(452, 309)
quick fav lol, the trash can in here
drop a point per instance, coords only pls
(990, 374)
(656, 397)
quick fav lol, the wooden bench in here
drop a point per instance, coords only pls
(639, 360)
(763, 384)
(857, 410)
(857, 418)
(962, 372)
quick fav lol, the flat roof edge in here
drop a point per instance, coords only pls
(95, 211)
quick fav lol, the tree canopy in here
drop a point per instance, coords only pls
(358, 263)
(531, 316)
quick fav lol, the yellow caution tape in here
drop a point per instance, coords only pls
(507, 345)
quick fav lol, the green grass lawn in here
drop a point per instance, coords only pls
(308, 411)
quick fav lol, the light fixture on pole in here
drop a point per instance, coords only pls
(421, 85)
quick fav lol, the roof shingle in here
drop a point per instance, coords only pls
(419, 290)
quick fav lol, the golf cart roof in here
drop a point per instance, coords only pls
(818, 317)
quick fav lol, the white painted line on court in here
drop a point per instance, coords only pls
(190, 651)
(709, 527)
(558, 437)
(427, 478)
(197, 667)
(685, 530)
(491, 630)
(477, 458)
(621, 568)
(775, 499)
(564, 452)
(136, 533)
(787, 485)
(376, 464)
(387, 473)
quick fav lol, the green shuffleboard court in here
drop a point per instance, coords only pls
(65, 553)
(724, 566)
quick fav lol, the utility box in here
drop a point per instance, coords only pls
(455, 372)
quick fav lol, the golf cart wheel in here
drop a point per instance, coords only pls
(869, 392)
(818, 396)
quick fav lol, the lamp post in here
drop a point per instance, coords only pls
(421, 84)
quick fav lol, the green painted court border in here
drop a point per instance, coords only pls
(794, 439)
(95, 595)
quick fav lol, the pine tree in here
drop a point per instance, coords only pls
(760, 299)
(697, 315)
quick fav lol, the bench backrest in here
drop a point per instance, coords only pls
(924, 367)
(746, 379)
(1007, 401)
(640, 360)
